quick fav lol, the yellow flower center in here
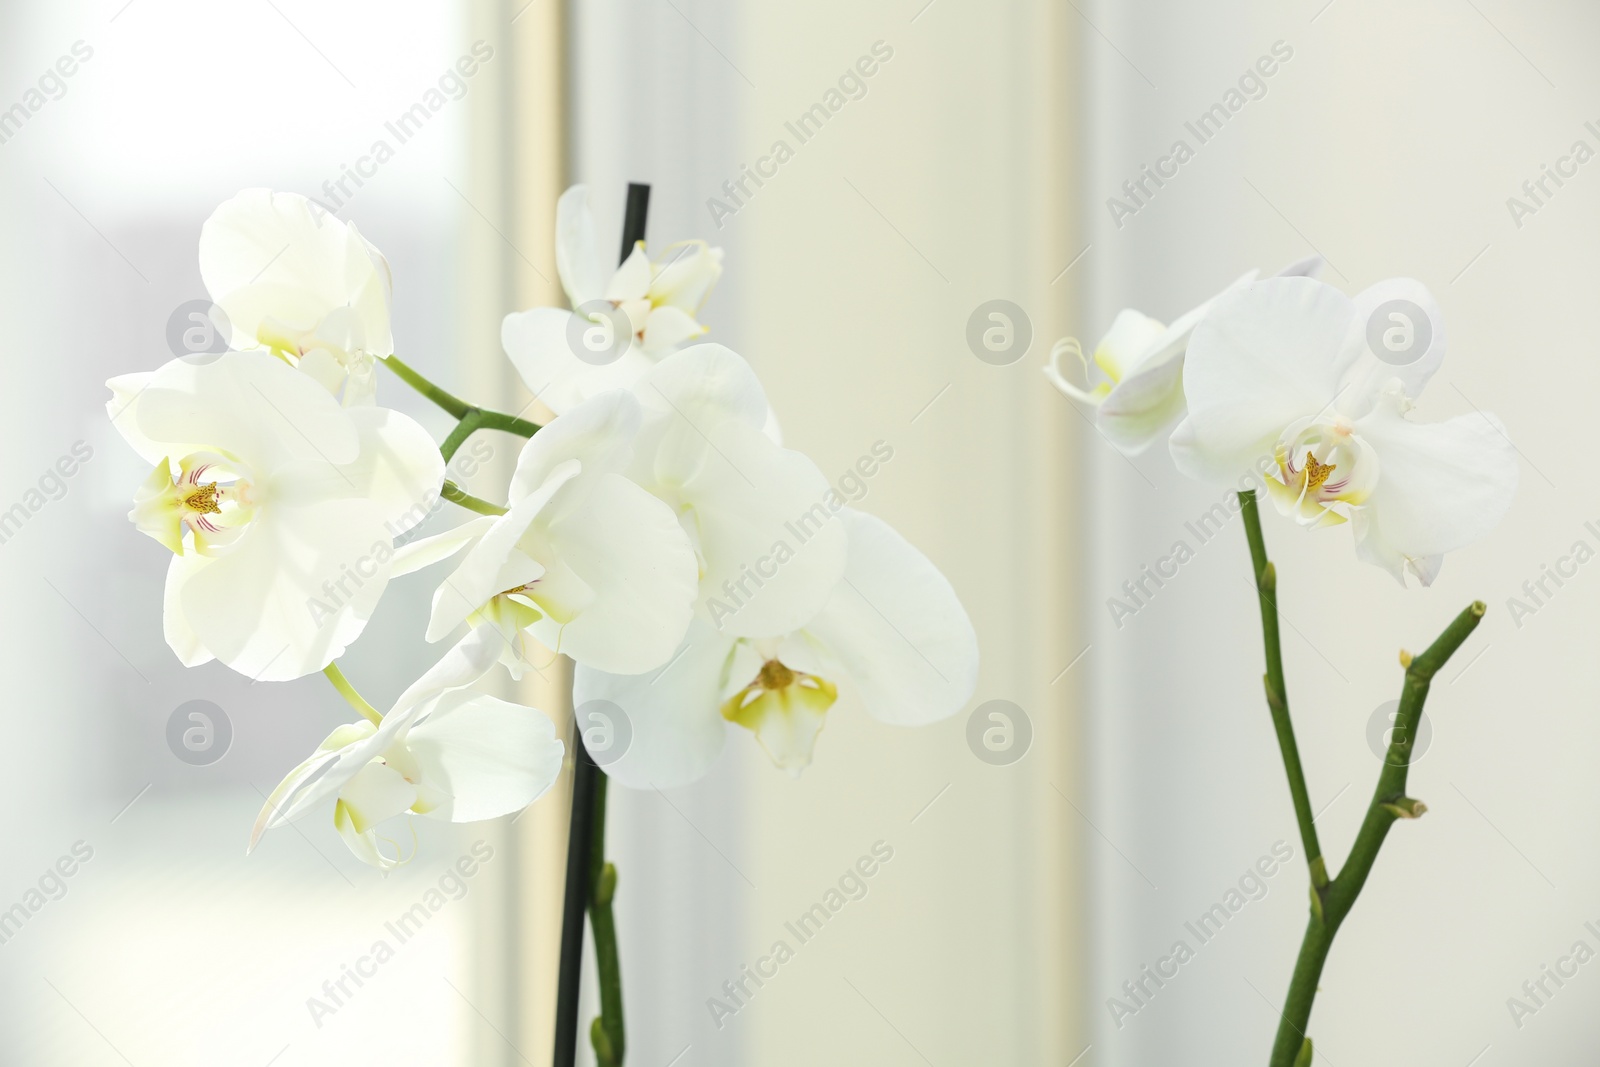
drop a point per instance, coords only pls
(1317, 473)
(775, 675)
(204, 500)
(785, 709)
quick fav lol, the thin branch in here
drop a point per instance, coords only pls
(1389, 802)
(1266, 576)
(456, 495)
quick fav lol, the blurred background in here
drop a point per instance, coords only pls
(985, 159)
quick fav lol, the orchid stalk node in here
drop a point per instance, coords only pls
(1406, 808)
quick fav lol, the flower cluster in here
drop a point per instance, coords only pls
(1290, 385)
(280, 485)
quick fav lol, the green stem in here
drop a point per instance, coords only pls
(482, 418)
(606, 1033)
(348, 691)
(1266, 576)
(1332, 900)
(456, 495)
(449, 402)
(458, 436)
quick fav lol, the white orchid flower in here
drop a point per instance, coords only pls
(280, 506)
(443, 751)
(1141, 394)
(584, 561)
(292, 278)
(659, 299)
(1292, 380)
(892, 628)
(760, 516)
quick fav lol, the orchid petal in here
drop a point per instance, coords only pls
(619, 584)
(1442, 485)
(276, 256)
(750, 506)
(667, 327)
(494, 564)
(631, 282)
(181, 638)
(1131, 335)
(894, 628)
(481, 757)
(1069, 346)
(1264, 356)
(536, 341)
(123, 411)
(274, 622)
(599, 432)
(709, 377)
(413, 556)
(1138, 408)
(677, 730)
(249, 405)
(399, 468)
(375, 793)
(685, 278)
(350, 747)
(785, 721)
(1397, 302)
(577, 247)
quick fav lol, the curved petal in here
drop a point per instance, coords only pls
(786, 719)
(413, 556)
(1174, 341)
(676, 728)
(708, 377)
(1264, 356)
(399, 468)
(1399, 331)
(352, 746)
(375, 793)
(481, 757)
(758, 514)
(686, 278)
(274, 260)
(1309, 267)
(537, 345)
(667, 327)
(577, 247)
(632, 280)
(181, 638)
(123, 411)
(495, 564)
(1441, 486)
(895, 628)
(366, 847)
(1069, 346)
(250, 405)
(619, 585)
(325, 368)
(1131, 335)
(599, 433)
(1142, 405)
(342, 753)
(293, 592)
(771, 429)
